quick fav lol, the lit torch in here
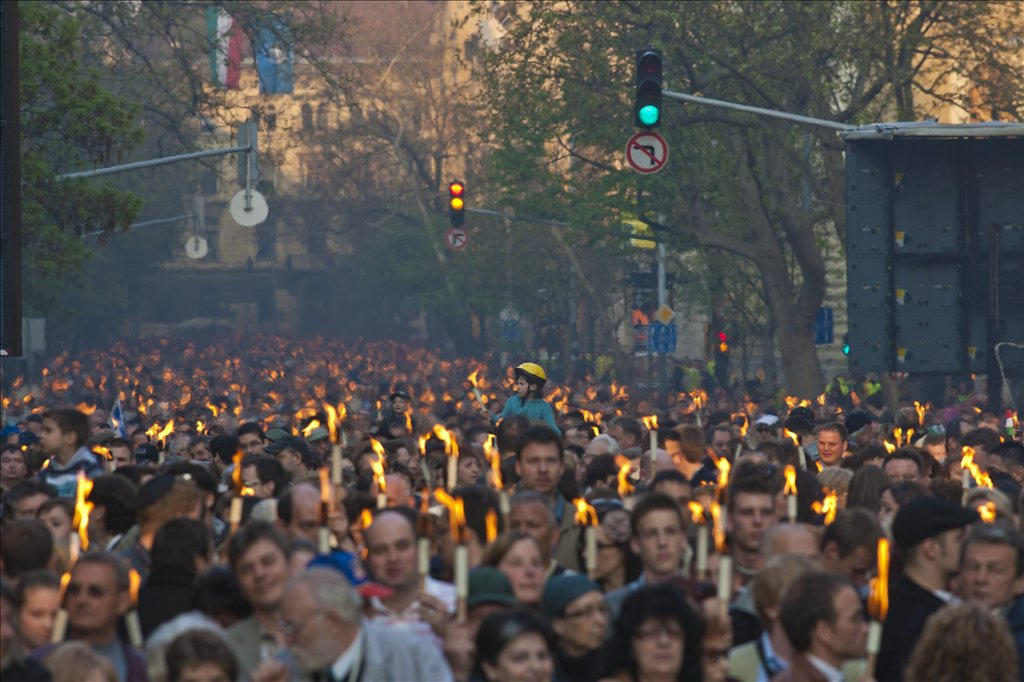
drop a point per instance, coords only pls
(60, 623)
(131, 619)
(652, 426)
(801, 458)
(476, 389)
(878, 605)
(625, 487)
(987, 512)
(378, 471)
(699, 520)
(790, 492)
(494, 459)
(325, 511)
(79, 541)
(586, 516)
(828, 507)
(451, 448)
(724, 559)
(235, 513)
(457, 522)
(423, 534)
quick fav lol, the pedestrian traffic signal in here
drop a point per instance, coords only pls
(647, 109)
(456, 203)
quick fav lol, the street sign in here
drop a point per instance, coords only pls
(646, 152)
(455, 238)
(824, 326)
(255, 214)
(661, 338)
(664, 314)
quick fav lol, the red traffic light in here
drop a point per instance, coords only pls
(723, 337)
(456, 189)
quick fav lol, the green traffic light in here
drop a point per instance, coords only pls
(649, 115)
(846, 349)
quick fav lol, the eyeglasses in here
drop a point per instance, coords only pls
(292, 629)
(598, 609)
(94, 591)
(655, 632)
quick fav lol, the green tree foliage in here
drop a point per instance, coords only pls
(68, 121)
(757, 189)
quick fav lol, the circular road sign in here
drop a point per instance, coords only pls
(455, 238)
(646, 152)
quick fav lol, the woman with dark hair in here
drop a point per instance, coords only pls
(202, 655)
(866, 488)
(218, 595)
(617, 564)
(181, 551)
(895, 496)
(514, 646)
(657, 637)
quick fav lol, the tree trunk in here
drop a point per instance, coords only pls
(804, 377)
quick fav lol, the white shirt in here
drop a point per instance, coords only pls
(409, 617)
(831, 673)
(352, 658)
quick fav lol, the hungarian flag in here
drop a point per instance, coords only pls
(225, 47)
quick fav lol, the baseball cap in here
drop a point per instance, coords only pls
(926, 517)
(294, 442)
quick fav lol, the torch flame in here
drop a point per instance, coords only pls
(102, 452)
(472, 378)
(988, 512)
(792, 436)
(586, 515)
(494, 459)
(897, 434)
(366, 518)
(83, 508)
(719, 528)
(65, 578)
(821, 400)
(878, 596)
(134, 581)
(790, 474)
(325, 487)
(651, 423)
(451, 447)
(723, 475)
(314, 424)
(625, 487)
(696, 512)
(85, 408)
(981, 479)
(920, 412)
(166, 431)
(827, 508)
(491, 521)
(456, 513)
(378, 464)
(213, 409)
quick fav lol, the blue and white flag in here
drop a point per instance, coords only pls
(275, 56)
(117, 424)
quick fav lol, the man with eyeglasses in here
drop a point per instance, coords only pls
(659, 538)
(578, 614)
(96, 597)
(327, 640)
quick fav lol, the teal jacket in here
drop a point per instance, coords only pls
(532, 409)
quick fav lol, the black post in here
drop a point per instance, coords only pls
(10, 182)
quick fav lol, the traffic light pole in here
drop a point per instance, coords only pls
(772, 113)
(150, 163)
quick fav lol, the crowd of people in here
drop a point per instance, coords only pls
(312, 511)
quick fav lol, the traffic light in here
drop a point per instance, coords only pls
(846, 344)
(647, 109)
(722, 358)
(723, 342)
(457, 203)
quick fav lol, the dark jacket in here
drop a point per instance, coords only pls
(164, 595)
(910, 605)
(25, 670)
(1015, 619)
(135, 663)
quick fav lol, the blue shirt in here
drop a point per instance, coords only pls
(65, 478)
(531, 408)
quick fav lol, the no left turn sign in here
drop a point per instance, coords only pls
(455, 238)
(646, 152)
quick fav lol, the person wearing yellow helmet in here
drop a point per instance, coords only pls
(529, 398)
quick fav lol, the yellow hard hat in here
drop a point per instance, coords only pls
(532, 370)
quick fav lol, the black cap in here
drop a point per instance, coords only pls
(153, 490)
(147, 452)
(855, 421)
(400, 394)
(294, 442)
(926, 517)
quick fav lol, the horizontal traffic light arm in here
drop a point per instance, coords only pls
(772, 113)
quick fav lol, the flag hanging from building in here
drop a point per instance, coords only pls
(275, 54)
(117, 424)
(225, 47)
